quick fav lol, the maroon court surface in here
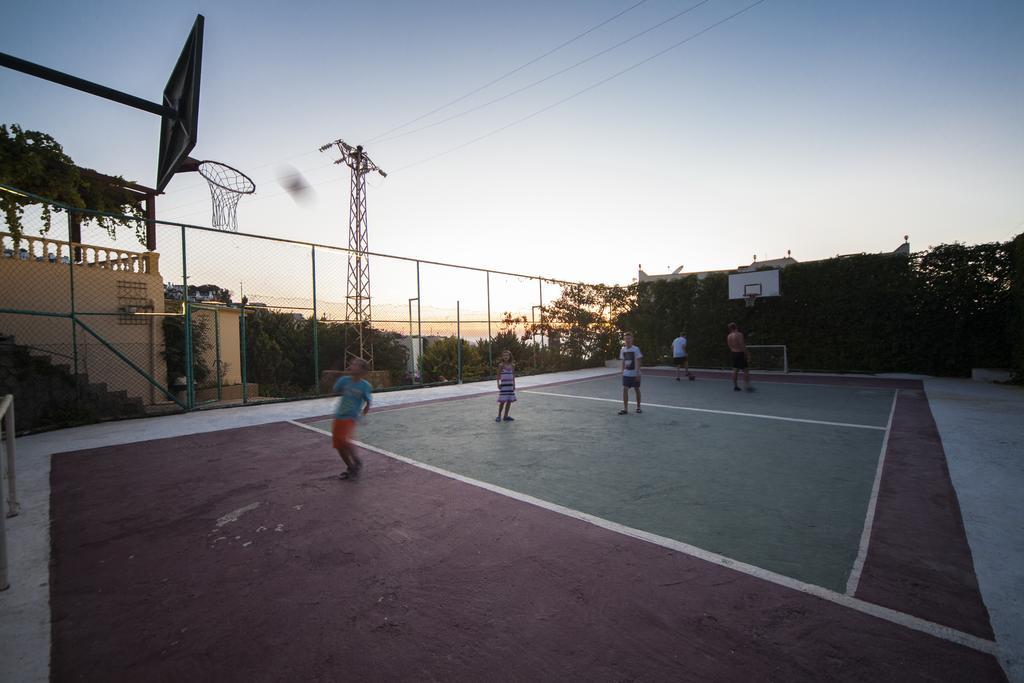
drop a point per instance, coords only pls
(235, 555)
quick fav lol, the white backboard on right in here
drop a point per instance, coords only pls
(761, 282)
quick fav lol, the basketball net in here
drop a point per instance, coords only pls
(227, 185)
(750, 299)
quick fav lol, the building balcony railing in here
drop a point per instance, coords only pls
(46, 250)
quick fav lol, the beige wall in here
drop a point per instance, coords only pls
(105, 284)
(222, 323)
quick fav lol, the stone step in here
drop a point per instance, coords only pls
(48, 389)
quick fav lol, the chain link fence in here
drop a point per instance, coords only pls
(93, 326)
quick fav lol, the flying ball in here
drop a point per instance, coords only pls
(296, 185)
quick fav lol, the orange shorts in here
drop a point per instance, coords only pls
(341, 433)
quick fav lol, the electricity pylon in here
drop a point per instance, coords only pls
(357, 294)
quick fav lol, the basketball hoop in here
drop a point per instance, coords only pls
(227, 185)
(750, 299)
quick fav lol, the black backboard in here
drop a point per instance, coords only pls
(178, 134)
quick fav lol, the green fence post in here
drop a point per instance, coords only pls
(458, 341)
(316, 341)
(190, 395)
(419, 325)
(490, 340)
(412, 346)
(540, 292)
(241, 341)
(216, 334)
(74, 327)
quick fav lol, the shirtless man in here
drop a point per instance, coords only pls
(740, 357)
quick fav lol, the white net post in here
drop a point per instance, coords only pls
(770, 357)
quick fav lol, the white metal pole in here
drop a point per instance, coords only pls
(5, 405)
(12, 488)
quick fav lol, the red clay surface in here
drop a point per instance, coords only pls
(918, 560)
(405, 574)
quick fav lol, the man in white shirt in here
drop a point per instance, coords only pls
(679, 356)
(630, 356)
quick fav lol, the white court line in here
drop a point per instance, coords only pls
(758, 380)
(717, 412)
(869, 521)
(884, 613)
(483, 392)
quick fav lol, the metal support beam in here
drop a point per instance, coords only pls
(358, 310)
(61, 78)
(414, 347)
(6, 409)
(316, 341)
(490, 339)
(419, 318)
(189, 370)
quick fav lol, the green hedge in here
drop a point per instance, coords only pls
(941, 312)
(1017, 314)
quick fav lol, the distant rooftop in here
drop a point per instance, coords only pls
(777, 263)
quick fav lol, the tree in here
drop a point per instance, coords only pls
(337, 339)
(174, 348)
(587, 320)
(34, 162)
(439, 361)
(506, 339)
(276, 347)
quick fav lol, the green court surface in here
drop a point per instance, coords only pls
(780, 478)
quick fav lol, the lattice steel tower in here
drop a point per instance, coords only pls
(357, 295)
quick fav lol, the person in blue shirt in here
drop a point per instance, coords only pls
(354, 394)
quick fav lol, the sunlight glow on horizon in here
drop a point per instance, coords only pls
(819, 128)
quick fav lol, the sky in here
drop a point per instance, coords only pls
(818, 127)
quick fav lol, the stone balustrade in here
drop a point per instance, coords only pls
(44, 249)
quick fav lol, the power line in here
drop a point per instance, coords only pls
(444, 106)
(548, 77)
(584, 90)
(538, 112)
(506, 75)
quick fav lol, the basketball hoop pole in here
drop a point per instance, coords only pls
(179, 112)
(61, 78)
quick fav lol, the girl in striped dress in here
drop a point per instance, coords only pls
(506, 385)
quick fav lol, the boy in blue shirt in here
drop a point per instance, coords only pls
(354, 394)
